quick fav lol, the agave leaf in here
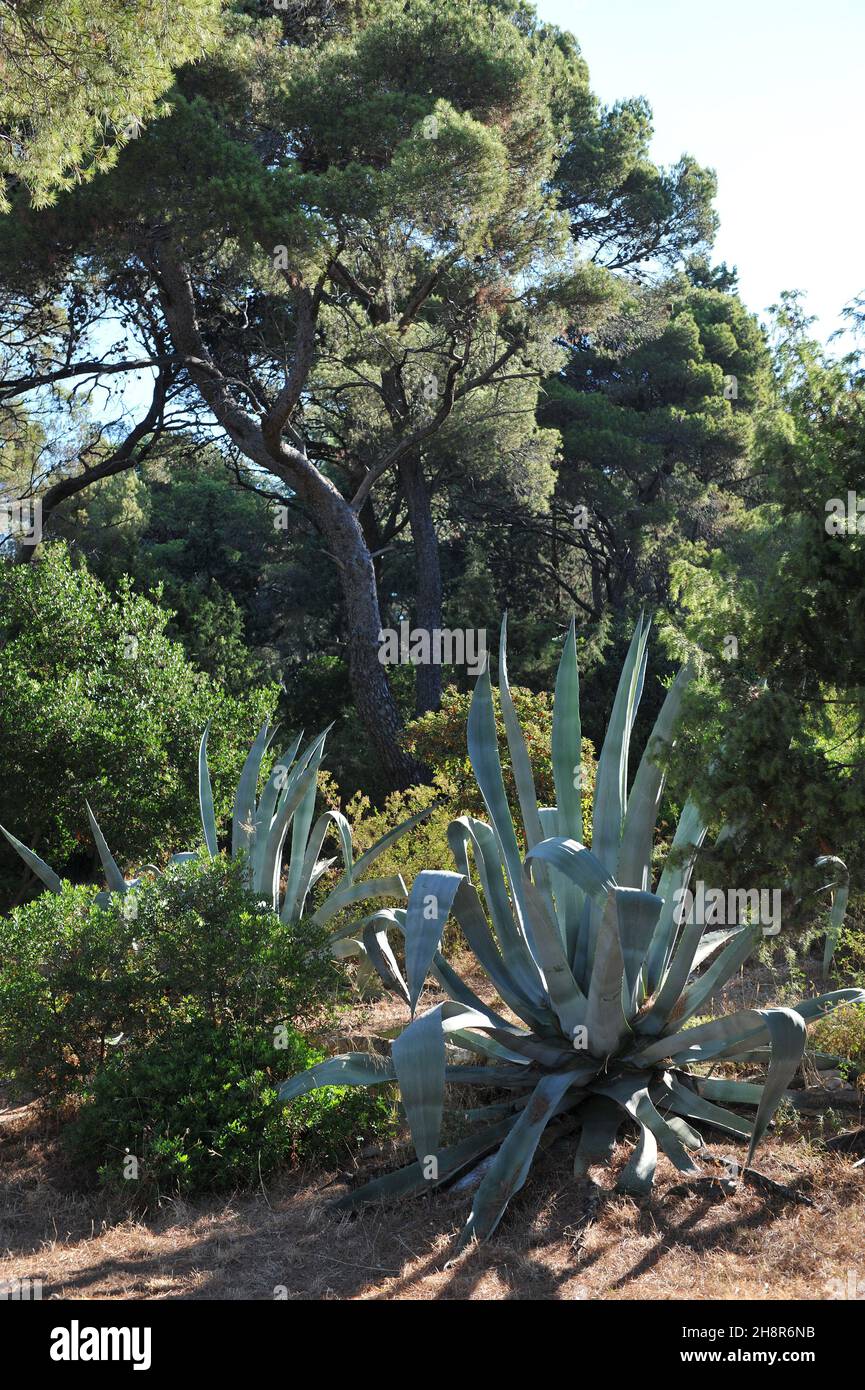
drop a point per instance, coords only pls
(270, 862)
(348, 1069)
(511, 1164)
(606, 1024)
(488, 1046)
(689, 1137)
(758, 1038)
(635, 853)
(427, 910)
(735, 953)
(348, 947)
(319, 868)
(419, 1062)
(839, 907)
(611, 781)
(467, 909)
(567, 999)
(205, 797)
(379, 950)
(113, 877)
(736, 1092)
(567, 742)
(713, 1039)
(577, 863)
(645, 623)
(243, 820)
(520, 761)
(297, 884)
(467, 832)
(674, 880)
(633, 1096)
(265, 812)
(547, 1053)
(692, 948)
(405, 1182)
(601, 1120)
(810, 1009)
(787, 1038)
(503, 1078)
(573, 864)
(42, 870)
(483, 750)
(383, 915)
(483, 1112)
(637, 915)
(697, 1107)
(269, 839)
(460, 991)
(313, 867)
(638, 1174)
(712, 941)
(347, 893)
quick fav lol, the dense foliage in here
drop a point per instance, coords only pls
(81, 77)
(79, 981)
(98, 704)
(199, 1112)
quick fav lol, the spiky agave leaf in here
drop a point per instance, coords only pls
(260, 826)
(840, 888)
(601, 973)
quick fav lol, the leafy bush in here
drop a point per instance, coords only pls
(97, 703)
(199, 1113)
(439, 740)
(190, 945)
(842, 1034)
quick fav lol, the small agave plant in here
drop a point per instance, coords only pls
(260, 827)
(594, 962)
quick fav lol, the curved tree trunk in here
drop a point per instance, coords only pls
(261, 440)
(370, 686)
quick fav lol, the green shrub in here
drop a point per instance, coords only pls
(842, 1034)
(439, 740)
(98, 703)
(189, 945)
(199, 1113)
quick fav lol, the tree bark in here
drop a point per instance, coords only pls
(428, 594)
(373, 697)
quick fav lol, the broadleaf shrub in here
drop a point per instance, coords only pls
(199, 1113)
(98, 703)
(439, 740)
(190, 945)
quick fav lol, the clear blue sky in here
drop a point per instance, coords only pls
(769, 93)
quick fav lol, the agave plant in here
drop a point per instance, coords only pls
(605, 979)
(260, 827)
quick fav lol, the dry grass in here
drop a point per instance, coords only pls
(560, 1239)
